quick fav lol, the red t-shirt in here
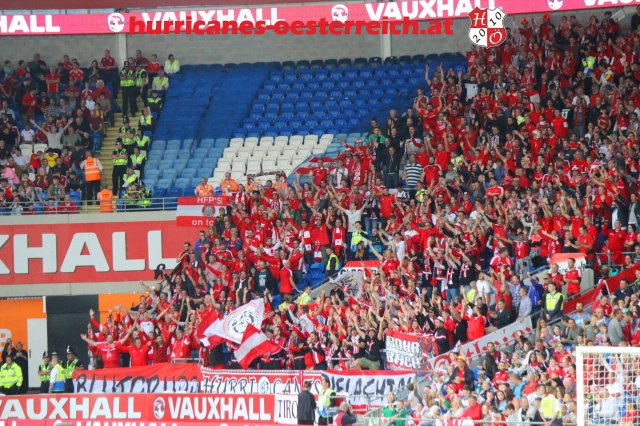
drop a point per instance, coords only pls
(110, 354)
(53, 83)
(473, 413)
(386, 205)
(139, 356)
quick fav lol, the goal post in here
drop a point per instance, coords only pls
(607, 385)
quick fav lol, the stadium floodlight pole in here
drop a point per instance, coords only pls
(586, 352)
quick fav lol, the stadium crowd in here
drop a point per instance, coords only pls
(53, 119)
(531, 152)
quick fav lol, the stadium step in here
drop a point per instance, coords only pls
(108, 145)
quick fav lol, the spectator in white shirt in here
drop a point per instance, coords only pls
(28, 135)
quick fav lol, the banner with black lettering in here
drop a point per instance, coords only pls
(405, 350)
(361, 388)
(350, 282)
(159, 378)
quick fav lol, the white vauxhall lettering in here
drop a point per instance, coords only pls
(12, 410)
(58, 409)
(75, 258)
(214, 408)
(245, 15)
(120, 261)
(50, 254)
(79, 408)
(154, 240)
(206, 15)
(12, 24)
(22, 253)
(429, 9)
(31, 413)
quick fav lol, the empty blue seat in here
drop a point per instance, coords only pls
(351, 74)
(181, 182)
(316, 64)
(360, 62)
(306, 74)
(254, 133)
(344, 62)
(224, 142)
(322, 74)
(205, 171)
(159, 143)
(188, 173)
(168, 174)
(312, 123)
(180, 164)
(330, 63)
(166, 164)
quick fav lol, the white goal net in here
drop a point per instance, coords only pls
(608, 385)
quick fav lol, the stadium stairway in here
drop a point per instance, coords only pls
(108, 145)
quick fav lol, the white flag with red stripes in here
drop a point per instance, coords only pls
(200, 211)
(231, 328)
(254, 344)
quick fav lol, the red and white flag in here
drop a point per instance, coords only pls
(254, 344)
(200, 211)
(213, 331)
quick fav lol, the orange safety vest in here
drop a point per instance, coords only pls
(106, 200)
(233, 186)
(204, 191)
(91, 169)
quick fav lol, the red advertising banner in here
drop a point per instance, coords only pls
(88, 252)
(113, 23)
(142, 408)
(130, 4)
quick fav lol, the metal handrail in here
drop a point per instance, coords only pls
(42, 207)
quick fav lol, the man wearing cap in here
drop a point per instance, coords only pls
(57, 376)
(44, 372)
(10, 376)
(129, 90)
(72, 365)
(461, 375)
(120, 159)
(126, 134)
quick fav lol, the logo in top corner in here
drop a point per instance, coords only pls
(340, 13)
(555, 4)
(487, 27)
(116, 22)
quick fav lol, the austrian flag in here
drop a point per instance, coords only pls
(254, 344)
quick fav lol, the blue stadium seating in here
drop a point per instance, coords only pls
(208, 104)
